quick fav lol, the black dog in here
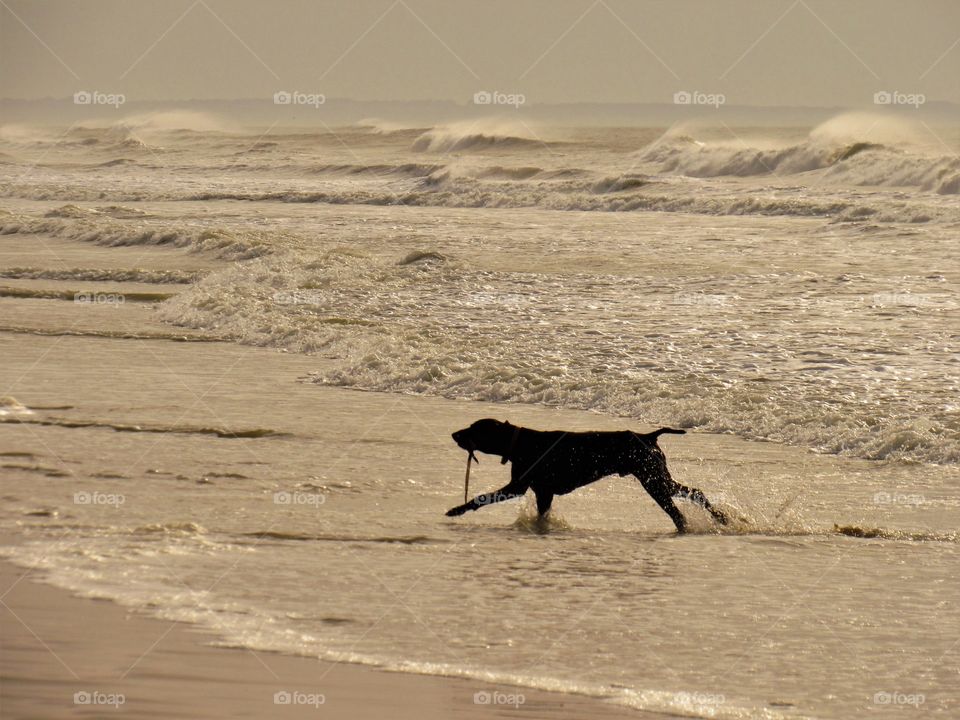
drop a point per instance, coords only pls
(556, 463)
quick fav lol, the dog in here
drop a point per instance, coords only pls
(556, 463)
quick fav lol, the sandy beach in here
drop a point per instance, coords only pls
(65, 656)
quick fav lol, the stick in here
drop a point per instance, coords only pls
(466, 481)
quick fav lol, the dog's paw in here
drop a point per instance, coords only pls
(459, 510)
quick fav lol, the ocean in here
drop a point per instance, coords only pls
(789, 296)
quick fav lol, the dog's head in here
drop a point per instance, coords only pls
(487, 436)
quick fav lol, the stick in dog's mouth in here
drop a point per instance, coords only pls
(466, 478)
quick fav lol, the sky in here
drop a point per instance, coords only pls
(755, 52)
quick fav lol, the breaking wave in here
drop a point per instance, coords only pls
(859, 163)
(484, 135)
(414, 170)
(102, 228)
(846, 149)
(617, 194)
(103, 274)
(548, 190)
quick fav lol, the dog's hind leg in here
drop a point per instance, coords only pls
(544, 499)
(695, 495)
(670, 509)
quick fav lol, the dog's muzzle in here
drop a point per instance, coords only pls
(462, 440)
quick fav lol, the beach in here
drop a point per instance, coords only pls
(69, 657)
(229, 415)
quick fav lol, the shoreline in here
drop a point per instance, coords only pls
(57, 644)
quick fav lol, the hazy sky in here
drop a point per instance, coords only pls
(765, 52)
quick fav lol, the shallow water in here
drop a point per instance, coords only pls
(815, 307)
(822, 594)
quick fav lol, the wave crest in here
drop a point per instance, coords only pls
(847, 149)
(101, 226)
(488, 135)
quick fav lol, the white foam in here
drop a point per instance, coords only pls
(99, 226)
(440, 328)
(9, 405)
(860, 149)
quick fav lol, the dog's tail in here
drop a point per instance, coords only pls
(657, 433)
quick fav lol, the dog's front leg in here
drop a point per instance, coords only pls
(507, 492)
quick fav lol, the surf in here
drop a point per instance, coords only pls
(858, 149)
(485, 135)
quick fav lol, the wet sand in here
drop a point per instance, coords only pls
(56, 645)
